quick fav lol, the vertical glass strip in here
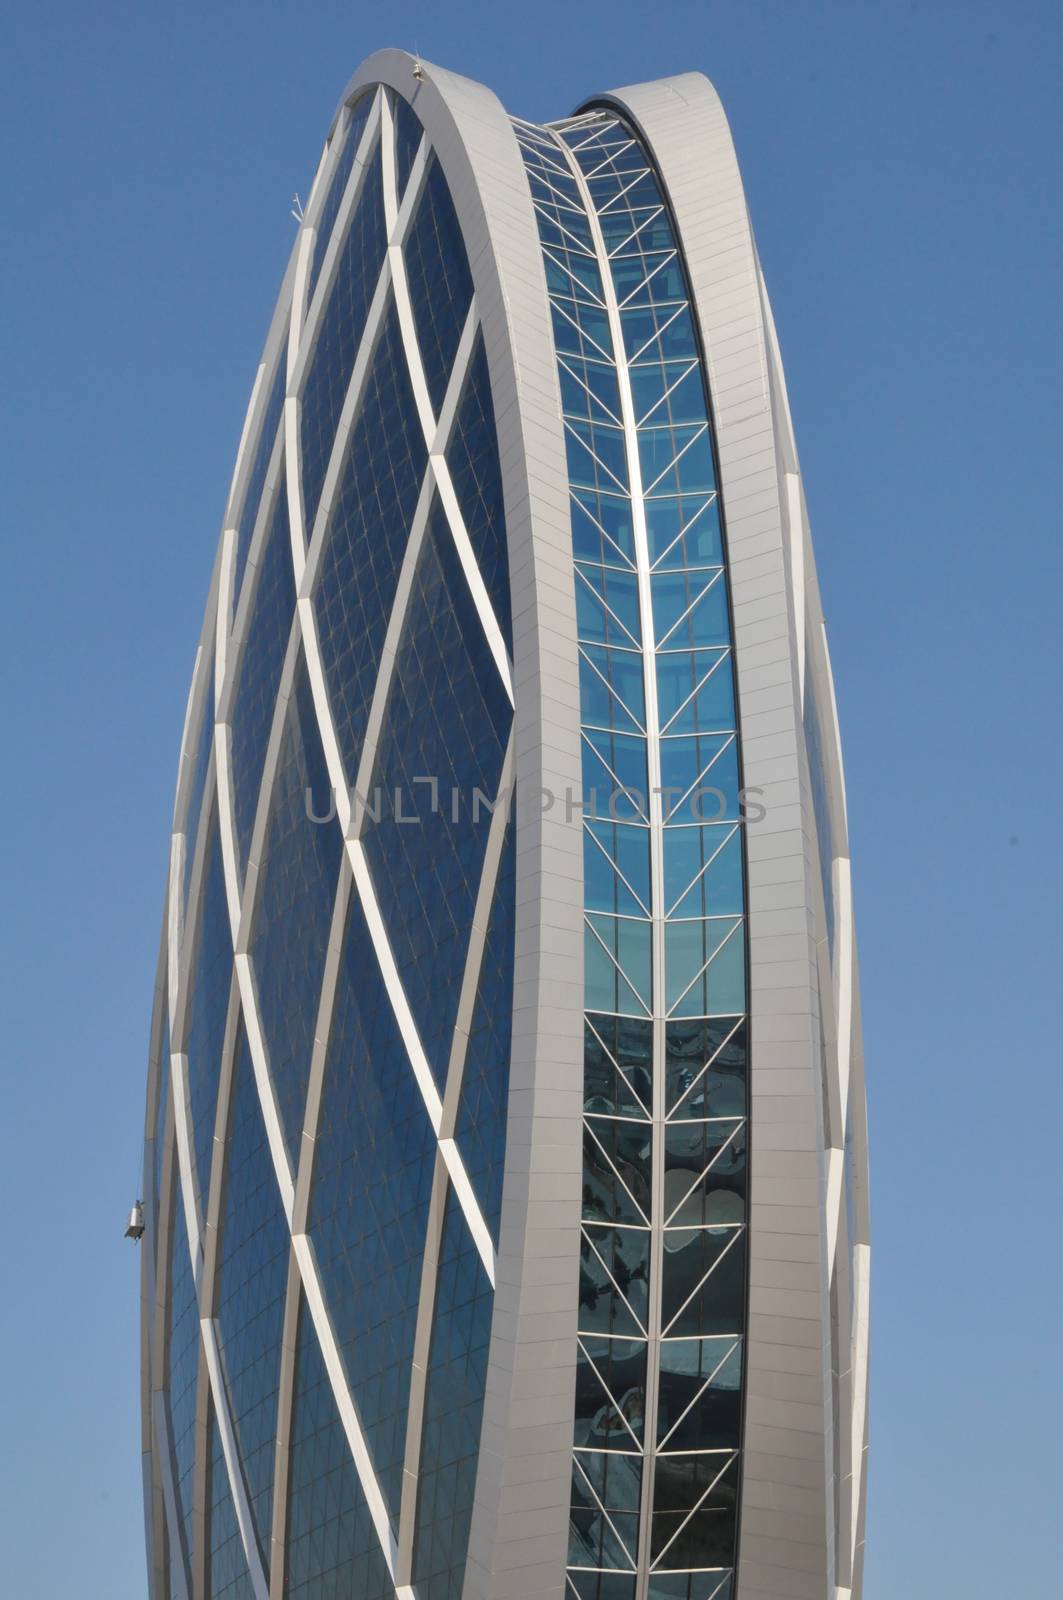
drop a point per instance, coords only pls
(662, 1270)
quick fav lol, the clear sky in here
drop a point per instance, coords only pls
(902, 167)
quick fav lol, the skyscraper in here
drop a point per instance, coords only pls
(506, 1225)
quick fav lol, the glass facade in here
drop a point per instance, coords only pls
(450, 1266)
(336, 1166)
(657, 1427)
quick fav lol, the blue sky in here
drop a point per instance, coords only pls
(903, 174)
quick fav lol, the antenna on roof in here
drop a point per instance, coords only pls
(418, 65)
(297, 207)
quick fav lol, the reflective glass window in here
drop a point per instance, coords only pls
(366, 539)
(484, 1103)
(227, 1574)
(407, 139)
(374, 1157)
(330, 1534)
(472, 456)
(437, 268)
(339, 333)
(341, 172)
(453, 1408)
(267, 438)
(299, 873)
(253, 1250)
(211, 984)
(440, 751)
(260, 670)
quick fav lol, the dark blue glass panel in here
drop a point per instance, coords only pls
(300, 871)
(716, 1090)
(227, 1574)
(706, 1485)
(703, 1282)
(257, 477)
(601, 528)
(372, 1183)
(472, 456)
(698, 1403)
(338, 183)
(481, 1120)
(453, 1408)
(342, 323)
(610, 1393)
(210, 1003)
(183, 1364)
(260, 670)
(252, 1282)
(407, 138)
(332, 1546)
(367, 535)
(447, 718)
(440, 282)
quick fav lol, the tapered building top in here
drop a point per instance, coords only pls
(506, 1219)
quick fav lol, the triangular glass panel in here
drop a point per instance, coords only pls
(687, 853)
(698, 1405)
(720, 989)
(612, 688)
(624, 853)
(677, 460)
(695, 691)
(705, 1067)
(703, 1281)
(607, 606)
(589, 392)
(684, 531)
(627, 940)
(596, 456)
(616, 1172)
(704, 1535)
(614, 1281)
(647, 228)
(705, 1173)
(658, 333)
(604, 986)
(718, 891)
(691, 763)
(690, 609)
(601, 527)
(610, 1393)
(665, 394)
(630, 273)
(689, 947)
(614, 776)
(617, 1065)
(663, 284)
(572, 276)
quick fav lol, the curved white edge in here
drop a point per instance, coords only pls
(790, 1502)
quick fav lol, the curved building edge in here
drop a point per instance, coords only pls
(806, 1375)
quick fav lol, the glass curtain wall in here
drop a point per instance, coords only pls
(657, 1425)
